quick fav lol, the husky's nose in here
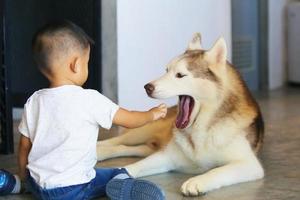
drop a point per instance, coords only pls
(149, 88)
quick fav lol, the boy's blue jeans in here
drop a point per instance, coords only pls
(94, 188)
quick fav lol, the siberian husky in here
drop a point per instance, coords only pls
(214, 132)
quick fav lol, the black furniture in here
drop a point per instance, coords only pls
(5, 101)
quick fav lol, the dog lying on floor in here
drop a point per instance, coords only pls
(214, 132)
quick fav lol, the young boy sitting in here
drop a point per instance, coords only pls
(60, 124)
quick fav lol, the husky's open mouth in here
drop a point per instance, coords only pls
(186, 105)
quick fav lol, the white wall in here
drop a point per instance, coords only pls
(151, 32)
(277, 43)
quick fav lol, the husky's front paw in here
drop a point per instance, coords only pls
(194, 187)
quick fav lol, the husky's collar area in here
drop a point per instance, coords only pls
(185, 108)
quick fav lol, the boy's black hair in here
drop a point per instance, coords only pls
(56, 39)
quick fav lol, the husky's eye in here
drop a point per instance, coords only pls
(180, 75)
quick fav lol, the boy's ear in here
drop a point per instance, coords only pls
(74, 65)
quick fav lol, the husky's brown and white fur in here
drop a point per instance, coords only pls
(214, 132)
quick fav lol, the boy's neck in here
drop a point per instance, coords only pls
(59, 83)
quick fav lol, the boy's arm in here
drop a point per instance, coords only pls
(134, 119)
(24, 149)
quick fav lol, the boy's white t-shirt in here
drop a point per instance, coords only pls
(62, 124)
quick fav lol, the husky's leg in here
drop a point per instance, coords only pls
(232, 173)
(156, 163)
(167, 159)
(105, 152)
(114, 141)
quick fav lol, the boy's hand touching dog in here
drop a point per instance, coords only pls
(134, 119)
(159, 111)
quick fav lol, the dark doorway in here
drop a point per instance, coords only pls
(23, 18)
(20, 20)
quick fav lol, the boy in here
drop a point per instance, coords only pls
(59, 127)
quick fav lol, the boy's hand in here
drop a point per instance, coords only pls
(159, 111)
(134, 119)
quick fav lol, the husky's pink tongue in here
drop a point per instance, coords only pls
(182, 119)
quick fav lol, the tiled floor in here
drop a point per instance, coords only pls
(280, 157)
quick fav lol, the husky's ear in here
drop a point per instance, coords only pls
(218, 53)
(195, 43)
